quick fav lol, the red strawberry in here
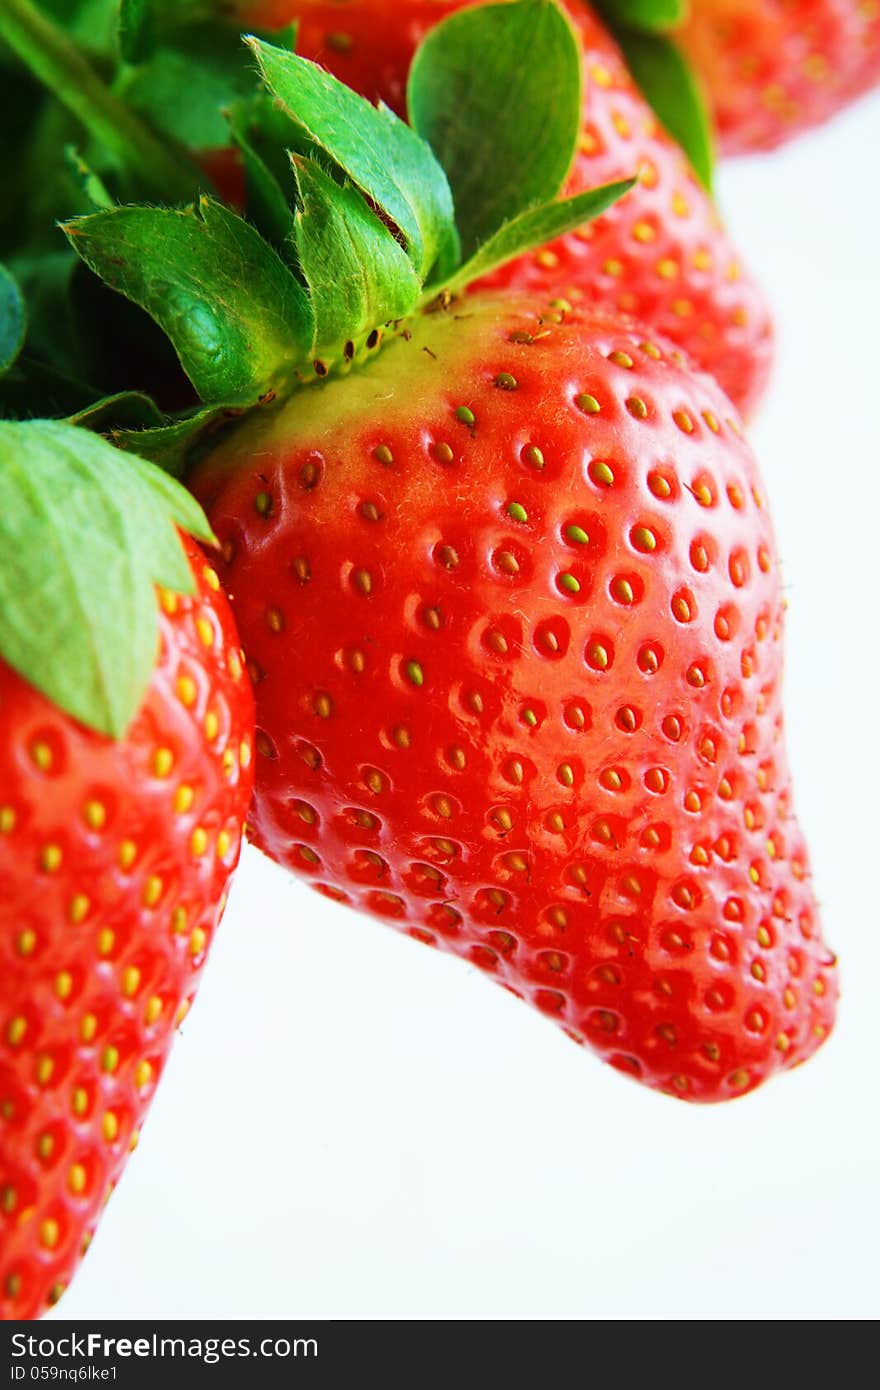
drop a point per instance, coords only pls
(503, 571)
(114, 862)
(773, 68)
(511, 603)
(661, 256)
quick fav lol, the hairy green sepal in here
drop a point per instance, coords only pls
(86, 532)
(358, 274)
(536, 227)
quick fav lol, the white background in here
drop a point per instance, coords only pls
(355, 1126)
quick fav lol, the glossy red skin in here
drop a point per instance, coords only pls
(118, 970)
(660, 255)
(774, 68)
(600, 861)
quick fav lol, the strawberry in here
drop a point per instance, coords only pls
(661, 256)
(115, 856)
(511, 603)
(772, 69)
(503, 570)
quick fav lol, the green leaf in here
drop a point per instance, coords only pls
(670, 87)
(181, 506)
(496, 91)
(536, 228)
(13, 320)
(373, 148)
(136, 29)
(85, 534)
(127, 410)
(267, 206)
(359, 276)
(175, 447)
(655, 15)
(236, 316)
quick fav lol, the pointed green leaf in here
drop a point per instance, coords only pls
(670, 87)
(236, 315)
(179, 504)
(536, 228)
(173, 447)
(496, 92)
(13, 319)
(130, 410)
(85, 534)
(379, 153)
(267, 207)
(359, 276)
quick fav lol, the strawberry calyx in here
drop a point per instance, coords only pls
(357, 221)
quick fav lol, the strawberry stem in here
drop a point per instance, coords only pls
(63, 69)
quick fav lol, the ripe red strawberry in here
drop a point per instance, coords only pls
(503, 571)
(511, 603)
(773, 68)
(114, 862)
(662, 255)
